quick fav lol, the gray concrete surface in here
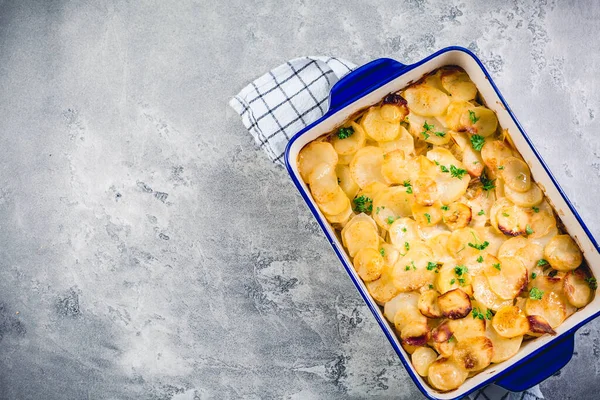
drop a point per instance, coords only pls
(149, 250)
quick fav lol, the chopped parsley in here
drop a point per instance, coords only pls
(477, 314)
(346, 132)
(457, 172)
(408, 187)
(430, 286)
(533, 275)
(452, 281)
(406, 246)
(477, 142)
(592, 283)
(479, 246)
(428, 217)
(480, 259)
(505, 214)
(431, 266)
(427, 128)
(444, 169)
(440, 134)
(382, 252)
(497, 266)
(488, 184)
(535, 209)
(403, 229)
(460, 270)
(390, 220)
(489, 314)
(379, 209)
(481, 212)
(445, 208)
(528, 230)
(501, 167)
(363, 204)
(536, 294)
(472, 117)
(407, 268)
(542, 262)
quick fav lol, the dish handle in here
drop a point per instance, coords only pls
(539, 367)
(361, 81)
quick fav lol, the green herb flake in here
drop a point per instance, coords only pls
(481, 212)
(431, 266)
(436, 162)
(505, 214)
(489, 314)
(472, 117)
(407, 246)
(430, 286)
(533, 275)
(536, 294)
(501, 167)
(390, 220)
(457, 172)
(452, 281)
(497, 266)
(480, 259)
(481, 246)
(346, 132)
(477, 314)
(382, 252)
(444, 169)
(541, 262)
(528, 230)
(408, 187)
(445, 208)
(477, 142)
(487, 183)
(592, 283)
(535, 209)
(440, 134)
(428, 217)
(403, 229)
(407, 268)
(459, 270)
(363, 204)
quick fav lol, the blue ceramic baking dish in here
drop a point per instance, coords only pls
(537, 359)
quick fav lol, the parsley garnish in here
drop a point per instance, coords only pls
(489, 314)
(460, 270)
(390, 220)
(440, 134)
(428, 217)
(443, 168)
(497, 266)
(431, 266)
(379, 209)
(403, 229)
(533, 275)
(344, 133)
(382, 252)
(427, 128)
(408, 187)
(536, 294)
(480, 259)
(457, 172)
(501, 167)
(363, 204)
(542, 262)
(430, 286)
(488, 184)
(445, 208)
(481, 212)
(479, 246)
(528, 230)
(592, 283)
(406, 246)
(477, 142)
(407, 268)
(505, 214)
(477, 314)
(472, 117)
(535, 209)
(452, 281)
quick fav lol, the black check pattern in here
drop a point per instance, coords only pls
(283, 101)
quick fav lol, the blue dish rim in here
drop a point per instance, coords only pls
(365, 296)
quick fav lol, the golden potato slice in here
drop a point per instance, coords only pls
(425, 191)
(383, 290)
(542, 223)
(451, 277)
(454, 114)
(409, 348)
(493, 237)
(428, 304)
(408, 314)
(378, 128)
(504, 348)
(403, 230)
(456, 215)
(528, 251)
(345, 160)
(421, 166)
(404, 141)
(422, 358)
(510, 322)
(551, 307)
(368, 264)
(562, 253)
(346, 181)
(470, 157)
(394, 169)
(577, 287)
(516, 174)
(467, 327)
(391, 307)
(313, 154)
(484, 294)
(395, 110)
(459, 85)
(323, 183)
(410, 272)
(346, 145)
(465, 244)
(390, 204)
(508, 218)
(454, 304)
(507, 278)
(427, 215)
(365, 167)
(530, 198)
(494, 153)
(539, 326)
(389, 252)
(360, 235)
(446, 375)
(438, 245)
(445, 349)
(428, 129)
(479, 121)
(426, 100)
(480, 201)
(340, 218)
(337, 205)
(474, 353)
(415, 333)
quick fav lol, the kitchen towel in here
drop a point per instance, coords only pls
(280, 103)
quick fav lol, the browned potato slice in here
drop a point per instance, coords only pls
(403, 230)
(562, 253)
(416, 333)
(425, 190)
(394, 108)
(445, 349)
(484, 294)
(345, 181)
(454, 114)
(467, 327)
(314, 154)
(510, 322)
(507, 278)
(365, 167)
(577, 287)
(428, 304)
(494, 153)
(351, 144)
(359, 235)
(459, 85)
(470, 157)
(393, 168)
(474, 354)
(390, 204)
(508, 218)
(446, 375)
(480, 201)
(422, 358)
(404, 141)
(538, 326)
(409, 348)
(427, 215)
(479, 121)
(442, 332)
(516, 174)
(426, 100)
(454, 304)
(530, 198)
(456, 215)
(504, 348)
(368, 264)
(383, 290)
(338, 204)
(323, 183)
(551, 307)
(378, 128)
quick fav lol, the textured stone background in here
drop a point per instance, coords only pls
(148, 250)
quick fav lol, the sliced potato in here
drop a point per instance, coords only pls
(346, 181)
(445, 349)
(410, 349)
(410, 272)
(425, 190)
(551, 307)
(383, 289)
(474, 353)
(530, 198)
(458, 244)
(577, 287)
(454, 304)
(454, 114)
(313, 154)
(446, 375)
(340, 218)
(408, 314)
(393, 168)
(447, 279)
(459, 85)
(368, 263)
(426, 100)
(504, 348)
(378, 128)
(365, 167)
(484, 294)
(345, 160)
(508, 218)
(456, 215)
(528, 251)
(543, 224)
(516, 174)
(323, 183)
(507, 278)
(494, 153)
(562, 253)
(428, 129)
(438, 245)
(390, 204)
(404, 141)
(510, 322)
(394, 108)
(403, 230)
(479, 121)
(422, 358)
(427, 215)
(337, 205)
(389, 252)
(351, 144)
(493, 237)
(539, 326)
(428, 304)
(480, 201)
(467, 327)
(359, 235)
(391, 307)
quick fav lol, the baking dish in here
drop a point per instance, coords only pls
(537, 359)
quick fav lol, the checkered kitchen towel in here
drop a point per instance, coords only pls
(280, 103)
